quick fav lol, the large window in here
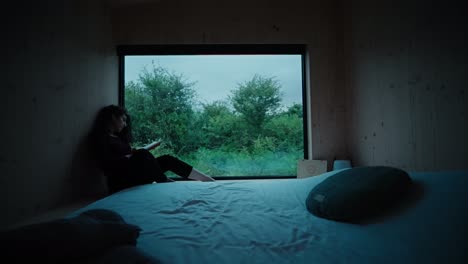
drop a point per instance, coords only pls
(229, 110)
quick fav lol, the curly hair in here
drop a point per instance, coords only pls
(104, 119)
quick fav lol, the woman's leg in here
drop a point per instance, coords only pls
(167, 162)
(144, 168)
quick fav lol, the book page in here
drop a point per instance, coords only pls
(150, 145)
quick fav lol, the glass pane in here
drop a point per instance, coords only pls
(227, 115)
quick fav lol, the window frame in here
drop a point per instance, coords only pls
(221, 49)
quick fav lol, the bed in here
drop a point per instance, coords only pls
(266, 221)
(250, 221)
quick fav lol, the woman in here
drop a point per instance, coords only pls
(126, 167)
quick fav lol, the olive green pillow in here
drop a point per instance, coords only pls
(360, 193)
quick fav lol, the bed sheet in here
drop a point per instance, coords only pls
(266, 221)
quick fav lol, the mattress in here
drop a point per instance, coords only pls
(266, 221)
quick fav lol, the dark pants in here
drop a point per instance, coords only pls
(144, 168)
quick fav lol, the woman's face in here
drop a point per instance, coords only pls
(118, 123)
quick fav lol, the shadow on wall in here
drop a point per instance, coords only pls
(86, 181)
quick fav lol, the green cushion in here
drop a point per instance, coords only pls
(357, 194)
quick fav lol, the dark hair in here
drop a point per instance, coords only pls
(104, 119)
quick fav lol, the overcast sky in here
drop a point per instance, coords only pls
(217, 75)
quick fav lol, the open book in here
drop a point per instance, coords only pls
(152, 145)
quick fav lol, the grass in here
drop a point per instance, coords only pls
(267, 163)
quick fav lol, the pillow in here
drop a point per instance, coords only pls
(67, 239)
(358, 194)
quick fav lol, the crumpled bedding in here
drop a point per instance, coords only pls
(93, 236)
(266, 221)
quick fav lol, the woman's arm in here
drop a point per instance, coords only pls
(148, 147)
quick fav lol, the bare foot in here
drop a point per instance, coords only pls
(199, 176)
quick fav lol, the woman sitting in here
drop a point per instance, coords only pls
(125, 166)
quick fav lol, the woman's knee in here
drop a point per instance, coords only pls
(166, 158)
(141, 157)
(142, 153)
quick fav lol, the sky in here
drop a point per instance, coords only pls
(216, 75)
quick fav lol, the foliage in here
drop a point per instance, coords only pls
(160, 105)
(247, 134)
(257, 100)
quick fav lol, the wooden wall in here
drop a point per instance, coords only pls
(406, 83)
(58, 68)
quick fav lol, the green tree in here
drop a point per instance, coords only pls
(295, 110)
(221, 128)
(257, 100)
(161, 105)
(248, 134)
(137, 104)
(287, 130)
